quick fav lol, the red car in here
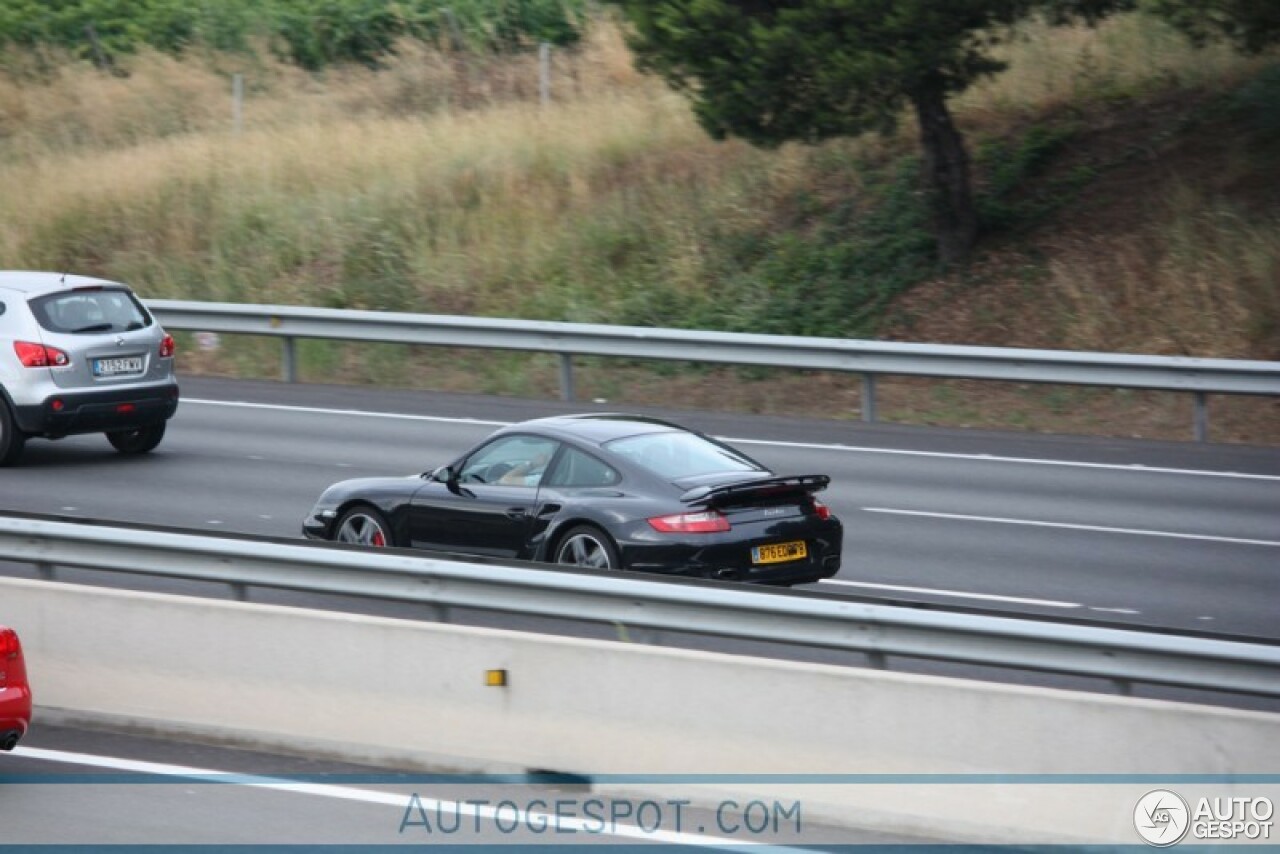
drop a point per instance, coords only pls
(15, 693)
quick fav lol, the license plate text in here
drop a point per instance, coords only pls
(779, 552)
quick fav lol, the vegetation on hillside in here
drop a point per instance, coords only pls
(310, 33)
(1127, 182)
(778, 72)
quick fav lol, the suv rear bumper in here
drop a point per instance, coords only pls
(98, 411)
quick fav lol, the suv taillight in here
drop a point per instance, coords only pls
(167, 347)
(40, 356)
(821, 510)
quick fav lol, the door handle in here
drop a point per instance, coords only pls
(516, 513)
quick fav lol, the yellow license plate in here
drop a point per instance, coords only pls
(780, 552)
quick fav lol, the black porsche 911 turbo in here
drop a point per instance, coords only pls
(599, 491)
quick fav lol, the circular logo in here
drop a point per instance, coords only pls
(1161, 817)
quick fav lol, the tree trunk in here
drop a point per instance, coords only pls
(946, 169)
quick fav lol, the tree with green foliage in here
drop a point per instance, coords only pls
(1251, 25)
(773, 71)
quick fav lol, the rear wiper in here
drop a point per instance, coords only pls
(94, 327)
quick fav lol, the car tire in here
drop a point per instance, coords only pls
(12, 440)
(138, 441)
(589, 547)
(363, 526)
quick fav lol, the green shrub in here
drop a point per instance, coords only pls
(310, 33)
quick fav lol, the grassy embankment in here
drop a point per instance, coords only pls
(1129, 183)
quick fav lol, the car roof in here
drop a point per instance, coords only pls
(33, 283)
(597, 427)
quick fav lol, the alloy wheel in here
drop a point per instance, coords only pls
(361, 530)
(584, 550)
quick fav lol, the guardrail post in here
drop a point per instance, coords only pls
(289, 366)
(45, 571)
(869, 398)
(566, 377)
(1202, 417)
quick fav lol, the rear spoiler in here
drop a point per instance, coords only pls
(769, 486)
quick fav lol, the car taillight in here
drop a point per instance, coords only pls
(822, 511)
(9, 646)
(39, 356)
(706, 522)
(167, 347)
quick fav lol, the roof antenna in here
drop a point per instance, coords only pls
(63, 281)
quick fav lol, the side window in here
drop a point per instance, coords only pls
(510, 461)
(576, 468)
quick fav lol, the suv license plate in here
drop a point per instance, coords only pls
(118, 366)
(779, 552)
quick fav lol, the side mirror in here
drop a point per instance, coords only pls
(444, 474)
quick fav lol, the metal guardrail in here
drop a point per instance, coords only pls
(871, 359)
(1127, 657)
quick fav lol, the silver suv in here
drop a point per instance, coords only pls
(81, 355)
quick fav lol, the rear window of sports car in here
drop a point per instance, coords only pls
(677, 455)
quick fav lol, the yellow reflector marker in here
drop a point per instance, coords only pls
(495, 678)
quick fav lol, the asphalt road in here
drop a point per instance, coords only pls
(1170, 535)
(89, 788)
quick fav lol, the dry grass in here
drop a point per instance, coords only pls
(499, 182)
(1052, 69)
(1199, 280)
(66, 105)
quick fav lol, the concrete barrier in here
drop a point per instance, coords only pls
(413, 695)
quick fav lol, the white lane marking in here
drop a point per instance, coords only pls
(815, 446)
(959, 594)
(401, 801)
(1127, 611)
(1073, 527)
(317, 410)
(991, 458)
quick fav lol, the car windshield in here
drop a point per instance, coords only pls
(678, 455)
(83, 311)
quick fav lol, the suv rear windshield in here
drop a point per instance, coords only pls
(84, 311)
